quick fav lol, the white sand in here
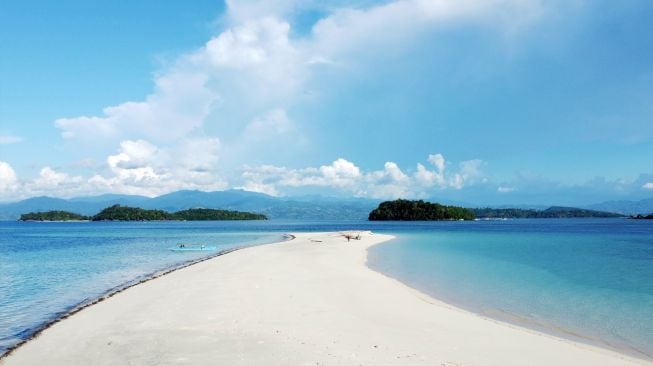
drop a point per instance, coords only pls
(301, 302)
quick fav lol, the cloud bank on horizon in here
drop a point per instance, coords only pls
(240, 111)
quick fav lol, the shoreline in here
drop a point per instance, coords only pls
(75, 308)
(350, 317)
(527, 324)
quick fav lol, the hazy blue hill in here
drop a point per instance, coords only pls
(308, 207)
(87, 206)
(230, 199)
(104, 198)
(12, 211)
(314, 208)
(641, 207)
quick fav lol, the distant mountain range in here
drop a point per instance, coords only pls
(304, 207)
(311, 208)
(642, 207)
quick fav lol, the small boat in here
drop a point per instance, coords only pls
(192, 248)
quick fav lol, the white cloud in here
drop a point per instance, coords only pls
(348, 30)
(504, 189)
(8, 179)
(276, 122)
(256, 66)
(50, 181)
(438, 161)
(648, 185)
(177, 107)
(10, 139)
(268, 189)
(469, 171)
(140, 167)
(429, 178)
(345, 176)
(246, 81)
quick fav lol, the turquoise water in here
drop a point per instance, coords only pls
(46, 269)
(585, 279)
(591, 280)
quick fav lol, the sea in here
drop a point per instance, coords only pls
(590, 280)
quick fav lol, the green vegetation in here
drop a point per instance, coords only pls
(200, 214)
(53, 216)
(643, 217)
(125, 213)
(549, 213)
(406, 210)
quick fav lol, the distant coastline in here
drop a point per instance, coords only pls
(642, 217)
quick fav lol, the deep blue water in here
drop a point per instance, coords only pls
(593, 277)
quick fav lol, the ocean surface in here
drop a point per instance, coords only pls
(586, 279)
(589, 280)
(49, 268)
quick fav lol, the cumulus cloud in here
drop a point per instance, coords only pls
(648, 185)
(177, 107)
(245, 82)
(347, 177)
(140, 167)
(8, 178)
(137, 167)
(346, 29)
(50, 181)
(255, 64)
(469, 171)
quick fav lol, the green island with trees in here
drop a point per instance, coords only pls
(53, 216)
(407, 210)
(126, 213)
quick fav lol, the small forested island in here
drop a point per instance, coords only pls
(553, 212)
(53, 216)
(126, 213)
(643, 217)
(407, 210)
(206, 214)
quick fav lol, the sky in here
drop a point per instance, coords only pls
(478, 101)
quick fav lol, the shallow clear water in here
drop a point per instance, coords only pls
(592, 278)
(48, 268)
(587, 279)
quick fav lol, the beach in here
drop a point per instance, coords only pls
(308, 301)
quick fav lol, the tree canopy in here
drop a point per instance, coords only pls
(53, 216)
(202, 214)
(126, 213)
(407, 210)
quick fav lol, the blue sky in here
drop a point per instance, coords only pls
(489, 102)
